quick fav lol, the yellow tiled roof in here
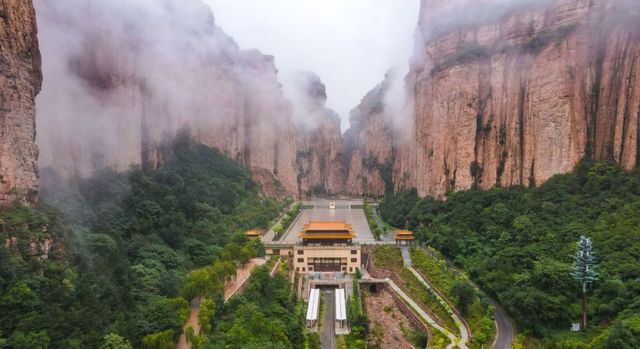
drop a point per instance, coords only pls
(328, 226)
(403, 232)
(327, 236)
(252, 232)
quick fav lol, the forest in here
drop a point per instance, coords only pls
(519, 244)
(120, 246)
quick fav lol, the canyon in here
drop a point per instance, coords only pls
(500, 94)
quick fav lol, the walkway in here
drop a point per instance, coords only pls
(505, 329)
(423, 314)
(462, 328)
(242, 275)
(328, 335)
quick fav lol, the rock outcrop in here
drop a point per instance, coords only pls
(123, 77)
(509, 93)
(20, 79)
(370, 143)
(320, 154)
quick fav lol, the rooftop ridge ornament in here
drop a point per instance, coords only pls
(584, 271)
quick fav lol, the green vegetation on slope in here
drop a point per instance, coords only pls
(518, 243)
(390, 258)
(121, 247)
(265, 315)
(475, 308)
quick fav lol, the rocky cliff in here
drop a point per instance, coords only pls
(20, 79)
(370, 143)
(507, 93)
(121, 78)
(320, 153)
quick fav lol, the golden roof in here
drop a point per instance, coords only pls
(403, 232)
(404, 237)
(345, 236)
(252, 232)
(327, 230)
(327, 226)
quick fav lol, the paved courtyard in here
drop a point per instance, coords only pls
(355, 217)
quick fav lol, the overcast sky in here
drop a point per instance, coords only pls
(350, 44)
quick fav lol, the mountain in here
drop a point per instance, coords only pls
(122, 78)
(20, 79)
(513, 92)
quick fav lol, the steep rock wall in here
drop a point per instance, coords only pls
(123, 77)
(20, 79)
(370, 145)
(526, 95)
(320, 153)
(509, 93)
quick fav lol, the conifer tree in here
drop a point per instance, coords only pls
(584, 271)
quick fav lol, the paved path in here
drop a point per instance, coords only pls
(505, 330)
(193, 322)
(422, 313)
(462, 328)
(355, 217)
(242, 275)
(328, 336)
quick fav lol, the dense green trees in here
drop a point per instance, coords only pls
(265, 315)
(122, 244)
(518, 243)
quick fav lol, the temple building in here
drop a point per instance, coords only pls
(326, 247)
(252, 234)
(404, 237)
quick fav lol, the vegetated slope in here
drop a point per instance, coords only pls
(265, 315)
(20, 80)
(112, 260)
(519, 243)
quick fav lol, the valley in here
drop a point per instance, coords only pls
(164, 186)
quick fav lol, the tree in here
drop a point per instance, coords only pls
(465, 294)
(160, 340)
(620, 337)
(206, 315)
(584, 271)
(113, 341)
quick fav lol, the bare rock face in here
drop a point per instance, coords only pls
(319, 156)
(122, 78)
(20, 79)
(370, 145)
(518, 93)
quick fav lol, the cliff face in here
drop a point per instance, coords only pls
(320, 153)
(122, 78)
(370, 143)
(20, 79)
(515, 94)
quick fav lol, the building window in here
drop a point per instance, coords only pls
(351, 269)
(354, 251)
(276, 251)
(354, 260)
(297, 269)
(303, 269)
(300, 260)
(310, 268)
(300, 251)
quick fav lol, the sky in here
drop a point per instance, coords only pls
(350, 44)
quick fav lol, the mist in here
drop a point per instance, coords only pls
(350, 45)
